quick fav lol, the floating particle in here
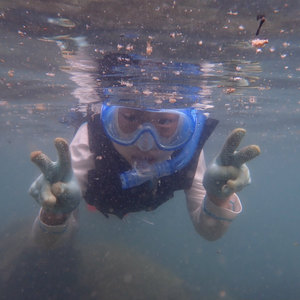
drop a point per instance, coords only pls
(237, 78)
(200, 43)
(21, 33)
(259, 42)
(4, 103)
(61, 22)
(272, 49)
(230, 90)
(11, 73)
(126, 83)
(149, 48)
(40, 106)
(172, 100)
(50, 74)
(285, 44)
(129, 47)
(147, 92)
(158, 101)
(232, 13)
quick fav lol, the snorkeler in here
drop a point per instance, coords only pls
(126, 159)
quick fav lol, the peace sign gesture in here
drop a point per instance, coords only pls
(228, 173)
(56, 189)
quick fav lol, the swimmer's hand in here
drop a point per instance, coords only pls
(56, 189)
(228, 173)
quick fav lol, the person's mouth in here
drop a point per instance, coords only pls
(144, 158)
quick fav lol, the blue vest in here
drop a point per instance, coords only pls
(104, 189)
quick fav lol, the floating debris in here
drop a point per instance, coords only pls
(230, 90)
(259, 43)
(40, 106)
(262, 20)
(149, 48)
(61, 22)
(11, 73)
(232, 13)
(129, 47)
(4, 103)
(50, 74)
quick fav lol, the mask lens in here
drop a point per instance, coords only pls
(170, 129)
(131, 120)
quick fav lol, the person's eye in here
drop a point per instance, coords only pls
(165, 121)
(129, 117)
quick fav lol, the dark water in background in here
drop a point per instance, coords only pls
(259, 257)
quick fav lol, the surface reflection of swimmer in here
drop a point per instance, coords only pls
(128, 159)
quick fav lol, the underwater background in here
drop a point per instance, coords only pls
(154, 255)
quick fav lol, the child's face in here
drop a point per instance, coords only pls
(129, 120)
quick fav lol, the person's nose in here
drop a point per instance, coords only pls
(145, 142)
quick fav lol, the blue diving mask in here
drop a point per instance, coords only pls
(168, 129)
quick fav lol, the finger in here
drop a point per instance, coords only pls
(227, 189)
(64, 158)
(246, 154)
(44, 163)
(240, 182)
(48, 199)
(231, 144)
(59, 189)
(66, 195)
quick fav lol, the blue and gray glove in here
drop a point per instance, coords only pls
(228, 173)
(56, 189)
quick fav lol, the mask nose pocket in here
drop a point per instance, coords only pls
(145, 142)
